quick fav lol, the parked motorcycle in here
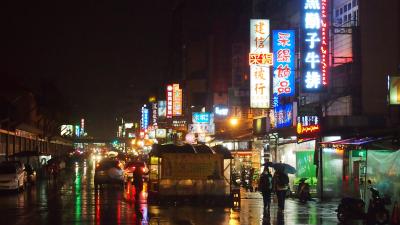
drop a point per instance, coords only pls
(353, 209)
(303, 191)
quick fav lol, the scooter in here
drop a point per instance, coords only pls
(303, 192)
(353, 209)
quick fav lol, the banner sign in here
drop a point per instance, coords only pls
(161, 133)
(315, 49)
(191, 166)
(283, 46)
(259, 69)
(154, 115)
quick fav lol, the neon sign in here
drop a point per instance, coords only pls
(176, 100)
(259, 58)
(315, 51)
(169, 101)
(283, 46)
(145, 117)
(307, 124)
(284, 116)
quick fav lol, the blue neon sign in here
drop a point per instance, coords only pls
(315, 42)
(202, 117)
(284, 64)
(284, 115)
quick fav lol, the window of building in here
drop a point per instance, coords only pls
(337, 13)
(345, 8)
(349, 5)
(345, 18)
(341, 11)
(349, 17)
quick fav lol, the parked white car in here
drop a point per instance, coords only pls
(12, 175)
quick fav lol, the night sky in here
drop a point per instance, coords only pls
(106, 56)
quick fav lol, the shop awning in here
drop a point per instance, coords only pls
(353, 141)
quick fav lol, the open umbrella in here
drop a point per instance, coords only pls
(286, 168)
(269, 164)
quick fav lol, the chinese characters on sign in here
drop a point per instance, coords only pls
(308, 125)
(259, 58)
(315, 52)
(177, 100)
(284, 115)
(202, 117)
(154, 115)
(284, 62)
(145, 117)
(169, 101)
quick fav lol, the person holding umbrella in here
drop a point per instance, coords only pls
(280, 182)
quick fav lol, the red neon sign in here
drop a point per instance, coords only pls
(325, 42)
(169, 101)
(261, 59)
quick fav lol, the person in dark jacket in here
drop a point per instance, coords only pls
(265, 187)
(280, 186)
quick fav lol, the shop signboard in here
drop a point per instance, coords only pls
(67, 130)
(145, 117)
(315, 54)
(308, 126)
(284, 115)
(191, 166)
(260, 60)
(179, 124)
(394, 90)
(202, 117)
(154, 115)
(260, 126)
(198, 128)
(221, 110)
(283, 46)
(162, 109)
(169, 105)
(161, 133)
(176, 100)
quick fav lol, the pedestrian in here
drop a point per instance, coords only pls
(265, 187)
(280, 186)
(137, 182)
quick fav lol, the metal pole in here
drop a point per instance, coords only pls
(321, 176)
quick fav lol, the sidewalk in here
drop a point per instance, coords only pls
(313, 212)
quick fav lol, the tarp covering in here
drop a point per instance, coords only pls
(383, 169)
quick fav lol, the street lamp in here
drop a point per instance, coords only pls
(233, 121)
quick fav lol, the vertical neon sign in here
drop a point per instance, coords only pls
(283, 46)
(315, 51)
(169, 101)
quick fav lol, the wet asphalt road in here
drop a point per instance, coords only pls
(72, 199)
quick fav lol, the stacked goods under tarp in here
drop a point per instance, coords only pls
(190, 170)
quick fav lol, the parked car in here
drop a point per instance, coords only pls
(108, 171)
(130, 168)
(12, 175)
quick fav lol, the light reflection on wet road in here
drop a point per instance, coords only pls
(72, 199)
